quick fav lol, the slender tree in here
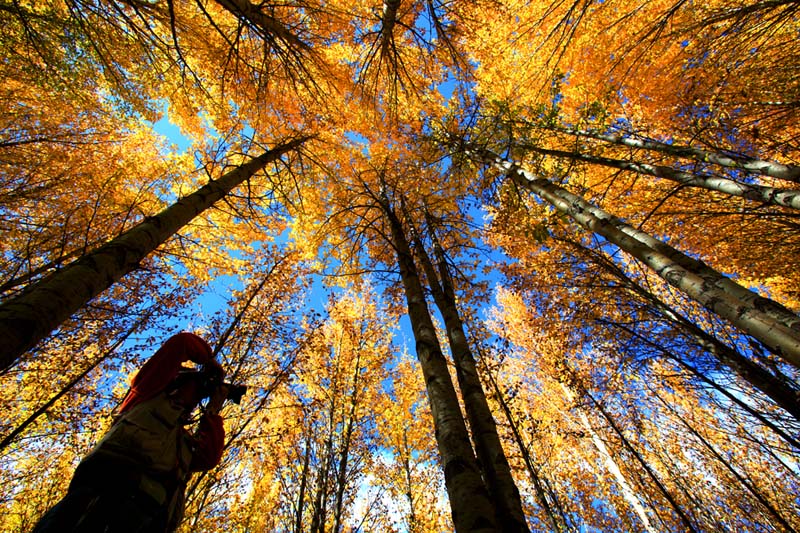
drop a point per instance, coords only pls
(492, 458)
(31, 316)
(469, 499)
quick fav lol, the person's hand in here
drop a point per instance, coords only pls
(217, 399)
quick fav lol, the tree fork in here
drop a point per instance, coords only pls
(472, 509)
(29, 317)
(493, 461)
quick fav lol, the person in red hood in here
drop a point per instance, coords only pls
(135, 478)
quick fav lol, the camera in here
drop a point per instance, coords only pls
(235, 392)
(209, 381)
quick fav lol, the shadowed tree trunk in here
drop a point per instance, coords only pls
(412, 513)
(792, 441)
(344, 453)
(301, 496)
(471, 506)
(492, 458)
(29, 317)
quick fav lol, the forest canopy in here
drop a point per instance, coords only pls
(484, 266)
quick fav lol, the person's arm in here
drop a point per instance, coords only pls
(210, 435)
(163, 366)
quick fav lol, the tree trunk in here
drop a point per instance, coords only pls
(792, 441)
(320, 515)
(611, 464)
(471, 507)
(412, 513)
(344, 454)
(271, 28)
(757, 193)
(298, 515)
(492, 458)
(746, 164)
(29, 317)
(772, 324)
(388, 22)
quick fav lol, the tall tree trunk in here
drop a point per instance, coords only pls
(471, 506)
(754, 192)
(492, 458)
(388, 23)
(319, 517)
(344, 453)
(772, 324)
(298, 515)
(412, 513)
(272, 29)
(738, 162)
(29, 317)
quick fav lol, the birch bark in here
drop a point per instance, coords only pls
(769, 322)
(471, 506)
(747, 164)
(757, 193)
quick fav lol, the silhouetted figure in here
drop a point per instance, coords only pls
(135, 478)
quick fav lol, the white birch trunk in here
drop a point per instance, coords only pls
(748, 164)
(611, 465)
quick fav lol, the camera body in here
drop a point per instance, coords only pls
(212, 381)
(235, 392)
(209, 381)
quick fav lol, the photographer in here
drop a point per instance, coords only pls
(135, 478)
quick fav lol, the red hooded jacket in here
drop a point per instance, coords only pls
(159, 371)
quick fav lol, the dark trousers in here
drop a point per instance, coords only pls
(102, 499)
